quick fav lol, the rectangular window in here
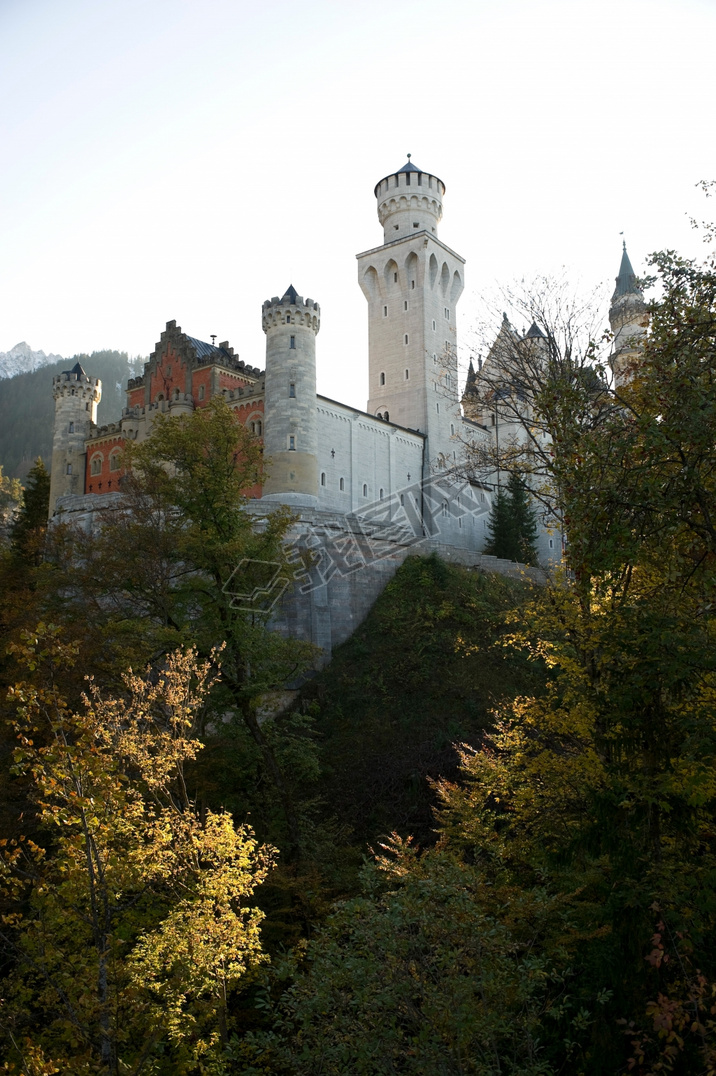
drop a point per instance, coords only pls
(292, 443)
(293, 342)
(434, 326)
(406, 338)
(72, 427)
(385, 311)
(405, 305)
(447, 313)
(407, 178)
(395, 278)
(292, 390)
(412, 284)
(69, 468)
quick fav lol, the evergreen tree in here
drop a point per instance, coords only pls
(524, 524)
(512, 528)
(500, 539)
(30, 526)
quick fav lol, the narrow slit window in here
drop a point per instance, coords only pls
(292, 390)
(405, 305)
(365, 489)
(407, 375)
(72, 427)
(406, 338)
(380, 495)
(382, 379)
(385, 311)
(342, 484)
(395, 278)
(434, 325)
(412, 285)
(292, 345)
(323, 478)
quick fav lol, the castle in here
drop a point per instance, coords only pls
(367, 486)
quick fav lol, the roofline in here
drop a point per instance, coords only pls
(367, 414)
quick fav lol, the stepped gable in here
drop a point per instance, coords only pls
(191, 352)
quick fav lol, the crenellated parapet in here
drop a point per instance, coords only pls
(292, 309)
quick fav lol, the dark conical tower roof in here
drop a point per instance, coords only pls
(535, 333)
(290, 293)
(78, 369)
(626, 281)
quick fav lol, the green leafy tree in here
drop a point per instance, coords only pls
(164, 571)
(10, 498)
(132, 921)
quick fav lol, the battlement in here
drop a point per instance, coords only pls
(291, 309)
(76, 382)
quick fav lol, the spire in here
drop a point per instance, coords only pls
(626, 281)
(471, 379)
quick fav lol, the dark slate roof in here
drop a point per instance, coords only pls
(535, 333)
(78, 369)
(626, 281)
(204, 350)
(408, 167)
(290, 293)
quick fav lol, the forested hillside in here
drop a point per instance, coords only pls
(27, 408)
(481, 842)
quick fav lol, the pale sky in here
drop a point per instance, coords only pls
(180, 159)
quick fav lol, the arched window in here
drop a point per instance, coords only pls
(341, 484)
(382, 379)
(381, 494)
(365, 489)
(452, 428)
(323, 478)
(96, 465)
(114, 461)
(202, 391)
(72, 427)
(386, 416)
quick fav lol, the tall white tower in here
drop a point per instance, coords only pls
(76, 398)
(290, 420)
(629, 319)
(413, 283)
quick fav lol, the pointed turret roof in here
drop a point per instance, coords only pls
(290, 293)
(535, 333)
(78, 369)
(626, 281)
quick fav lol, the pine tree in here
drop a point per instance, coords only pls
(30, 527)
(512, 528)
(500, 537)
(524, 524)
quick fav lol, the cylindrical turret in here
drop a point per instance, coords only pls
(76, 398)
(290, 420)
(409, 201)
